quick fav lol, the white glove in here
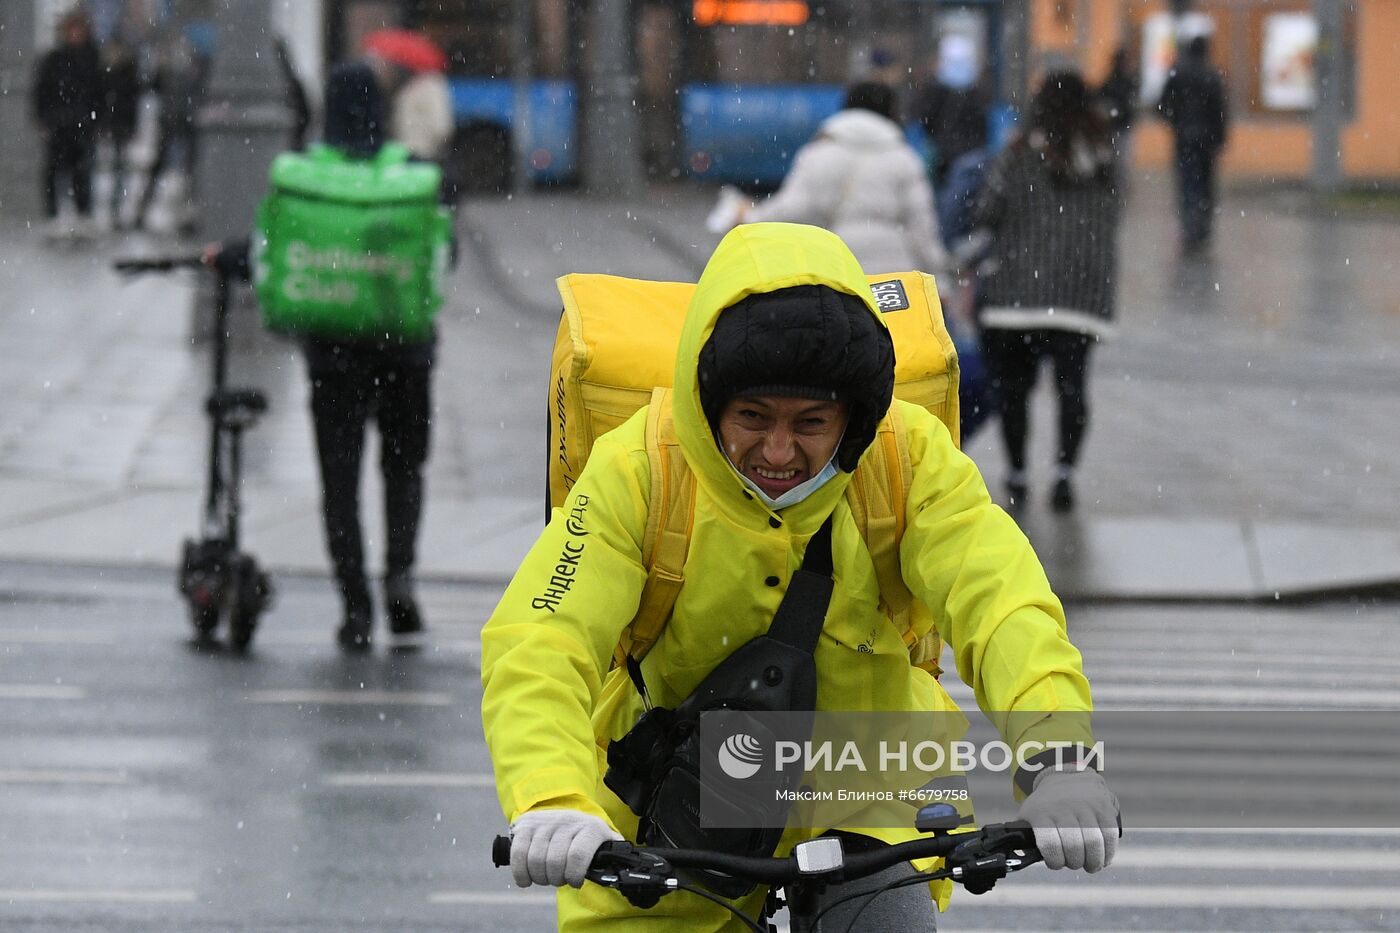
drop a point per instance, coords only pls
(1075, 817)
(555, 846)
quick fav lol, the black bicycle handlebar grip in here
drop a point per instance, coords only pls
(500, 851)
(158, 263)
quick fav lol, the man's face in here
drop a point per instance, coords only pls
(780, 442)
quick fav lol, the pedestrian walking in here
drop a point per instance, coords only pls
(959, 289)
(329, 280)
(952, 107)
(67, 98)
(179, 84)
(1193, 101)
(860, 179)
(122, 81)
(1118, 96)
(410, 69)
(1050, 208)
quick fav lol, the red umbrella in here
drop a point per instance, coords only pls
(412, 50)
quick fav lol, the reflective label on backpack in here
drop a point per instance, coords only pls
(890, 296)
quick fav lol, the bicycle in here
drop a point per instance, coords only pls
(216, 577)
(975, 859)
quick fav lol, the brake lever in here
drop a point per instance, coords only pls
(641, 877)
(985, 859)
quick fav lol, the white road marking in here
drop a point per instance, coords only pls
(95, 896)
(41, 692)
(351, 697)
(1104, 894)
(514, 897)
(1231, 695)
(55, 636)
(62, 777)
(1340, 834)
(321, 639)
(1247, 859)
(419, 779)
(1010, 894)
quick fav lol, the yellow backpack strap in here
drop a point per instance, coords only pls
(670, 515)
(877, 495)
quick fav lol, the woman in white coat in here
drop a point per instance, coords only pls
(859, 178)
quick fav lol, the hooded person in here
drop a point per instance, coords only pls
(860, 179)
(353, 380)
(784, 374)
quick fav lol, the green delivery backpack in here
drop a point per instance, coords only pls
(351, 248)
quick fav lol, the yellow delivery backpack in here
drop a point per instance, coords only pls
(616, 352)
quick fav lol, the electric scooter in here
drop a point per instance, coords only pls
(217, 578)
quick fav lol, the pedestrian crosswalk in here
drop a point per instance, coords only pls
(1252, 673)
(110, 710)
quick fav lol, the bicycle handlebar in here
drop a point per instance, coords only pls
(976, 859)
(135, 266)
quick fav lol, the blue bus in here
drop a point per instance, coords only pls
(716, 102)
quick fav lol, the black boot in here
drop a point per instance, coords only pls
(354, 633)
(1017, 493)
(405, 620)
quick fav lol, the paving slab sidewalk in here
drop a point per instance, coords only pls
(1243, 444)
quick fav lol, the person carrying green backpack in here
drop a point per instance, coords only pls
(347, 255)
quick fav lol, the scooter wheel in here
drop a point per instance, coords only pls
(252, 596)
(205, 619)
(241, 626)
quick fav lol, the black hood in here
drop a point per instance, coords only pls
(807, 341)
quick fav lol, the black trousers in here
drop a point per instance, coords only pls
(1195, 188)
(120, 146)
(1013, 363)
(69, 153)
(169, 141)
(350, 385)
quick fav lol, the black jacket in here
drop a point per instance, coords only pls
(123, 98)
(1054, 257)
(68, 94)
(1193, 102)
(954, 119)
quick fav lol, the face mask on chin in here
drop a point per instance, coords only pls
(797, 493)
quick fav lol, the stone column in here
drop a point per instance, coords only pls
(244, 122)
(1016, 53)
(243, 125)
(19, 141)
(612, 164)
(1329, 114)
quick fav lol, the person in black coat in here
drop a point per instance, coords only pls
(1050, 209)
(356, 381)
(67, 97)
(1118, 96)
(181, 76)
(953, 107)
(1194, 103)
(122, 80)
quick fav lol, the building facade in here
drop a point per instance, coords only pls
(1268, 52)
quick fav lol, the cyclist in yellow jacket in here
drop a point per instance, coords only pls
(784, 373)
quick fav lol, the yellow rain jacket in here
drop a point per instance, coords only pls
(551, 705)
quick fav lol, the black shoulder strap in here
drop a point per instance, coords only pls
(798, 621)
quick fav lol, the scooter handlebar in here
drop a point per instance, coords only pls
(137, 266)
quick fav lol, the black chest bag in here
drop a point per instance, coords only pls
(655, 767)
